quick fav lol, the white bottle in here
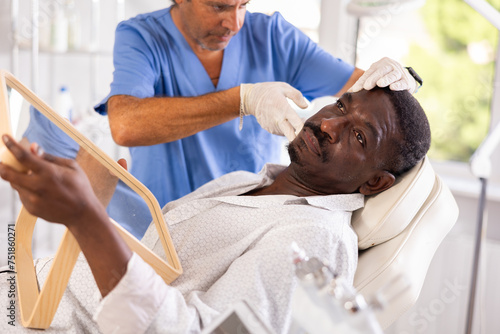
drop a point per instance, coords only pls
(64, 104)
(59, 30)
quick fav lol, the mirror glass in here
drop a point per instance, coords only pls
(123, 204)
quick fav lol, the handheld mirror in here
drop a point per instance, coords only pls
(26, 117)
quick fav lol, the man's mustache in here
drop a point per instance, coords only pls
(320, 135)
(323, 140)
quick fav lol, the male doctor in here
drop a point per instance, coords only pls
(186, 76)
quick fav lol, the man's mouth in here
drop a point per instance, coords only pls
(226, 35)
(224, 38)
(311, 142)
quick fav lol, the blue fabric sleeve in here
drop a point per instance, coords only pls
(50, 138)
(135, 69)
(310, 69)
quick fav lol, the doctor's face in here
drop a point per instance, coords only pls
(342, 146)
(210, 23)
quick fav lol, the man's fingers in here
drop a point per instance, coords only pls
(20, 181)
(369, 71)
(22, 155)
(385, 73)
(399, 85)
(372, 79)
(358, 85)
(389, 78)
(59, 161)
(294, 120)
(122, 162)
(33, 157)
(297, 97)
(5, 172)
(287, 130)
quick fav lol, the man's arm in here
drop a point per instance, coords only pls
(149, 121)
(58, 190)
(155, 120)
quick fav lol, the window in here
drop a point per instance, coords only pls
(453, 48)
(304, 14)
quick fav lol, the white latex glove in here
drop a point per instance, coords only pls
(383, 73)
(267, 102)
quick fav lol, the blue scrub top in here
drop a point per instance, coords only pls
(152, 58)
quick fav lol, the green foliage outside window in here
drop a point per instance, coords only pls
(457, 87)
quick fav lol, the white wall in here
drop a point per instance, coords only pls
(4, 37)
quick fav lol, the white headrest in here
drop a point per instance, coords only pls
(386, 214)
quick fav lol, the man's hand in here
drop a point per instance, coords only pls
(267, 102)
(53, 188)
(383, 73)
(58, 190)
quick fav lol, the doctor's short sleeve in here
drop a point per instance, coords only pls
(135, 71)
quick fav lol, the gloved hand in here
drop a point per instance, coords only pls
(267, 102)
(383, 73)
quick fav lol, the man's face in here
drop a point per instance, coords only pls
(341, 146)
(211, 23)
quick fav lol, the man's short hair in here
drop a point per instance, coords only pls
(415, 132)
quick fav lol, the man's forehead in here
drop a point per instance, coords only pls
(347, 96)
(375, 98)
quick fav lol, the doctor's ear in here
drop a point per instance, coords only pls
(380, 182)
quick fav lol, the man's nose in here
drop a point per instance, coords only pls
(333, 127)
(233, 20)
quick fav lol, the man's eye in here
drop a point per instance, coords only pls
(341, 107)
(219, 8)
(359, 137)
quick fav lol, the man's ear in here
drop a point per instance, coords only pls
(378, 183)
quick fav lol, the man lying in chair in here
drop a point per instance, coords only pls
(233, 235)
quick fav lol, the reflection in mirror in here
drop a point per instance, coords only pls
(123, 205)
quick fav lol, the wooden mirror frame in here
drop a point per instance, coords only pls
(38, 307)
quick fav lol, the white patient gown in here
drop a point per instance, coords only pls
(231, 248)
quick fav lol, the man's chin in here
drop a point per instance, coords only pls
(215, 45)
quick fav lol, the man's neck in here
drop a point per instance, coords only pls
(284, 184)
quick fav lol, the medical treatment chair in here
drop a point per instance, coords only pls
(399, 231)
(39, 305)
